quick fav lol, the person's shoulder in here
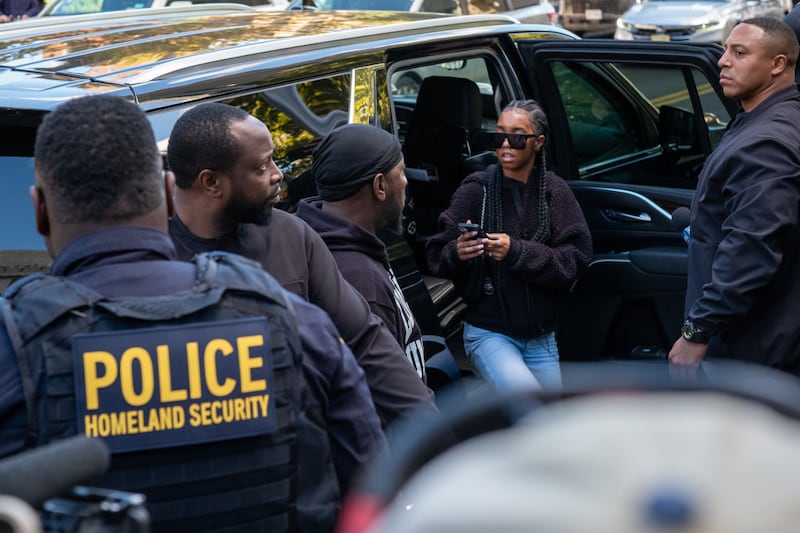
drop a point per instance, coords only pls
(556, 182)
(479, 178)
(315, 328)
(283, 227)
(284, 221)
(307, 312)
(473, 184)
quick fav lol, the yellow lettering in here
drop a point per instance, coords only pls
(103, 425)
(212, 380)
(166, 392)
(193, 364)
(227, 411)
(165, 417)
(119, 424)
(133, 421)
(90, 425)
(94, 381)
(194, 415)
(205, 408)
(179, 417)
(126, 376)
(251, 406)
(240, 406)
(216, 417)
(153, 421)
(263, 402)
(247, 363)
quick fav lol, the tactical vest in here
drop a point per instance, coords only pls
(245, 483)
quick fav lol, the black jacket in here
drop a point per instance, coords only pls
(297, 257)
(744, 253)
(362, 259)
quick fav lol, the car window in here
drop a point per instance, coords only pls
(22, 249)
(671, 90)
(601, 121)
(405, 84)
(298, 115)
(614, 115)
(17, 212)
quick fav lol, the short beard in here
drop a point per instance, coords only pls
(392, 231)
(248, 213)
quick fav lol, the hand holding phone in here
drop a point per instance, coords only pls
(466, 227)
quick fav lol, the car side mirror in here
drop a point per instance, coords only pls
(678, 131)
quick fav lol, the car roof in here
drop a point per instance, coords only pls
(128, 52)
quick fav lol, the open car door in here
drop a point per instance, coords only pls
(630, 127)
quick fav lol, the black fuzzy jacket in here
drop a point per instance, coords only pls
(533, 275)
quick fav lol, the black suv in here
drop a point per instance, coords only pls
(631, 125)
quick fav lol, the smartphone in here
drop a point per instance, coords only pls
(465, 227)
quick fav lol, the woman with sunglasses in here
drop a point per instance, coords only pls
(536, 244)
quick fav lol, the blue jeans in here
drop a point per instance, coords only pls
(509, 363)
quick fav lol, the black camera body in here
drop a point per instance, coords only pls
(96, 510)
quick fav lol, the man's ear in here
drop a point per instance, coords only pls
(169, 191)
(379, 187)
(40, 211)
(210, 183)
(779, 63)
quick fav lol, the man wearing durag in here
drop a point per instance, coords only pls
(360, 178)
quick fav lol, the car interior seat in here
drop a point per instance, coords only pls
(438, 151)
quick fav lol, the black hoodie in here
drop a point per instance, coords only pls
(362, 259)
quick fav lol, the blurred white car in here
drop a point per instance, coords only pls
(691, 20)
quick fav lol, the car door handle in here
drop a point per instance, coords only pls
(622, 216)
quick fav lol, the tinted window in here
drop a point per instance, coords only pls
(22, 249)
(619, 117)
(298, 115)
(598, 115)
(16, 214)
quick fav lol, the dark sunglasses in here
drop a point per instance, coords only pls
(516, 141)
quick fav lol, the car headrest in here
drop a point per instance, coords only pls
(450, 102)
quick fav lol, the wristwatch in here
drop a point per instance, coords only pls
(693, 333)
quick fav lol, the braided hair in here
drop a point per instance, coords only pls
(492, 218)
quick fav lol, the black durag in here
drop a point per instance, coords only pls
(350, 156)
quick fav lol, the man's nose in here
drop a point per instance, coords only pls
(276, 174)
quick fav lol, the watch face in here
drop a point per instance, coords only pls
(692, 333)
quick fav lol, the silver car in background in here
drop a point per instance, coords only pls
(691, 20)
(591, 18)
